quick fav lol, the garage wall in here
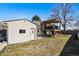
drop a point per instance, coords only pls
(13, 31)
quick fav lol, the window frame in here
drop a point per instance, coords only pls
(22, 31)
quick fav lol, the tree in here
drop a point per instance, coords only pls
(64, 13)
(37, 18)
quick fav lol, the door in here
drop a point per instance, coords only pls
(32, 33)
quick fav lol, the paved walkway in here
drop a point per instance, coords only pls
(2, 45)
(72, 47)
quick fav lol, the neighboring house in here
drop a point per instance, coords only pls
(51, 26)
(38, 23)
(19, 30)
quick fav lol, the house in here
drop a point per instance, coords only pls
(51, 26)
(38, 24)
(19, 30)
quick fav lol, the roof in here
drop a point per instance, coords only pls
(14, 20)
(52, 21)
(19, 20)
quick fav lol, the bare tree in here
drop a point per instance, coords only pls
(64, 13)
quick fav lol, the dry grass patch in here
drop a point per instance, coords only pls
(46, 46)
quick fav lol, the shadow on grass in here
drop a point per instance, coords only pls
(71, 48)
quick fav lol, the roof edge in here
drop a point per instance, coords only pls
(19, 20)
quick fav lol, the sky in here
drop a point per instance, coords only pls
(10, 11)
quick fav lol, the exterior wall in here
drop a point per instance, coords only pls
(38, 23)
(13, 34)
(39, 32)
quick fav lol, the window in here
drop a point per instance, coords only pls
(56, 27)
(21, 31)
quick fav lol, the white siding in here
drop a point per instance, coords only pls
(13, 31)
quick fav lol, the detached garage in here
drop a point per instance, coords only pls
(19, 30)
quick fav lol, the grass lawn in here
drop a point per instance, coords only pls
(48, 46)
